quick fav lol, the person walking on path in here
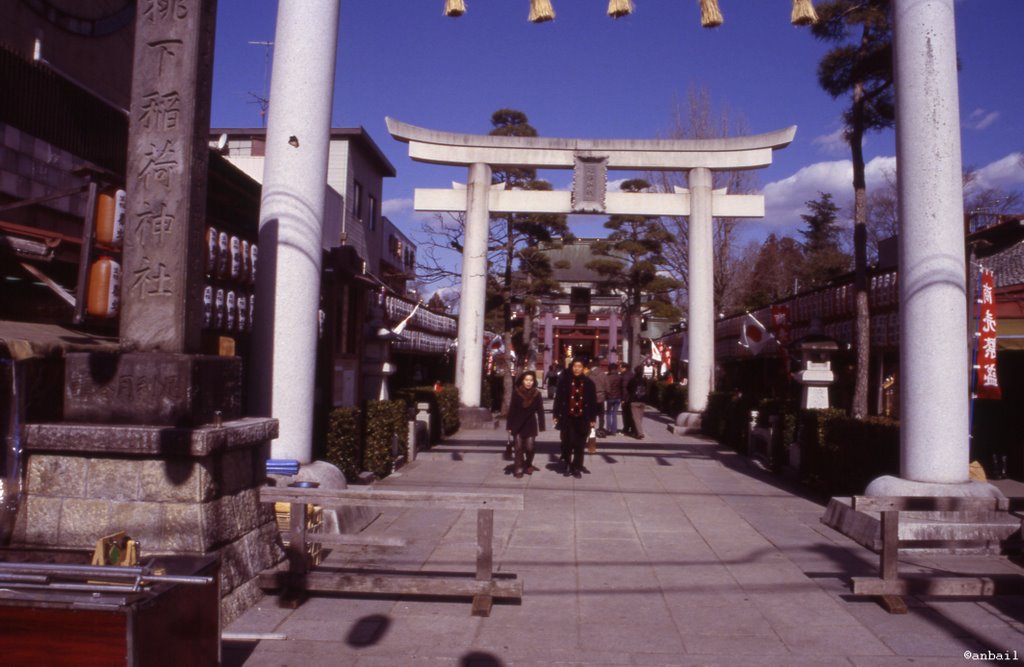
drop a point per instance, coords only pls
(525, 420)
(599, 377)
(613, 400)
(575, 414)
(625, 377)
(636, 393)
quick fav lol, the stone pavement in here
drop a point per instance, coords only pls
(673, 551)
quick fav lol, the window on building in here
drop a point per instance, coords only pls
(372, 212)
(357, 200)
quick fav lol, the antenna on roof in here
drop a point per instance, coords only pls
(263, 100)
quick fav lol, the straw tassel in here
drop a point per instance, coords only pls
(710, 16)
(541, 11)
(803, 13)
(454, 7)
(619, 8)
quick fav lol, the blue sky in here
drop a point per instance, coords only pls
(586, 75)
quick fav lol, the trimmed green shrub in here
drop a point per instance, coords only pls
(786, 411)
(448, 403)
(726, 417)
(840, 455)
(343, 442)
(384, 420)
(669, 398)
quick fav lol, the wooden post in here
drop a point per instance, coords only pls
(298, 560)
(484, 559)
(890, 544)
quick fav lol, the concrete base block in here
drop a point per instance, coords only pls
(865, 527)
(470, 418)
(686, 422)
(887, 485)
(345, 519)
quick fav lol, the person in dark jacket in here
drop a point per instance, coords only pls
(575, 414)
(525, 420)
(614, 399)
(625, 378)
(636, 393)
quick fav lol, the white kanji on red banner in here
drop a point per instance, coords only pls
(987, 381)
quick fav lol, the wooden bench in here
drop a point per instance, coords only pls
(889, 586)
(483, 586)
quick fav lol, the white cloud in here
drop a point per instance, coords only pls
(786, 200)
(981, 118)
(1006, 173)
(395, 206)
(834, 143)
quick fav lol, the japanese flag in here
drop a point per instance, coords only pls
(753, 336)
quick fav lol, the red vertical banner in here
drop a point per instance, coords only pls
(987, 381)
(780, 324)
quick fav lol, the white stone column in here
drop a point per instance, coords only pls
(933, 302)
(470, 355)
(701, 325)
(291, 220)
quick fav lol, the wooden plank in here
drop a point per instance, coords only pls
(928, 504)
(889, 556)
(405, 499)
(893, 604)
(484, 544)
(953, 586)
(482, 605)
(395, 584)
(357, 540)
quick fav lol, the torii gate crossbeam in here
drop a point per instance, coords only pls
(590, 160)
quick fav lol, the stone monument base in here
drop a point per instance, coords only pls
(475, 418)
(177, 491)
(686, 422)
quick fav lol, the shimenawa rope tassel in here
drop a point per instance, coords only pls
(619, 8)
(803, 13)
(710, 16)
(541, 11)
(454, 7)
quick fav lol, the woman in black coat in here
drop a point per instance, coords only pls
(525, 421)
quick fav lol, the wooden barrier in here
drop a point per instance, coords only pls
(483, 587)
(889, 586)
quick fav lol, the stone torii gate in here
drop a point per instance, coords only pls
(590, 160)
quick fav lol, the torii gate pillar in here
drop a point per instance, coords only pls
(470, 353)
(701, 322)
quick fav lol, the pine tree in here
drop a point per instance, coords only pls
(629, 260)
(859, 66)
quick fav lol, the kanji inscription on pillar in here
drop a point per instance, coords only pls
(589, 184)
(168, 153)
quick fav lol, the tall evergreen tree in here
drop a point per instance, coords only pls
(520, 235)
(776, 272)
(860, 66)
(628, 261)
(823, 257)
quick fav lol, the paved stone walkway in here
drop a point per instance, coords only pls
(673, 551)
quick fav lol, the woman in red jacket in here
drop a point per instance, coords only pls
(525, 421)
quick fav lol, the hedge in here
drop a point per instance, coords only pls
(725, 418)
(444, 408)
(344, 442)
(840, 455)
(669, 398)
(384, 421)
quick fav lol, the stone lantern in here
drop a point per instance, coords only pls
(814, 353)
